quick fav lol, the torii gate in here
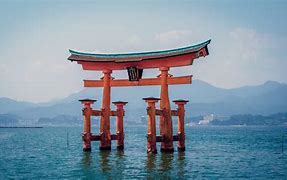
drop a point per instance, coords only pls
(135, 63)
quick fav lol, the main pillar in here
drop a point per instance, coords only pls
(120, 123)
(87, 123)
(165, 120)
(180, 132)
(105, 118)
(151, 129)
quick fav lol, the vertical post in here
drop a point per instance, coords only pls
(120, 123)
(87, 123)
(151, 129)
(180, 132)
(166, 130)
(105, 118)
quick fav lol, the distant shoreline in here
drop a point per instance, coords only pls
(21, 127)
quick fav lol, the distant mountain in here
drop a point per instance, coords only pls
(61, 120)
(8, 105)
(268, 98)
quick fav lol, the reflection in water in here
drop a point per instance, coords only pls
(166, 161)
(150, 163)
(87, 164)
(120, 154)
(105, 164)
(181, 164)
(87, 160)
(120, 164)
(168, 167)
(151, 166)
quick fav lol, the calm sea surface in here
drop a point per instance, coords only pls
(211, 153)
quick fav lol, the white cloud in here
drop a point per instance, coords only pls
(174, 37)
(242, 57)
(134, 40)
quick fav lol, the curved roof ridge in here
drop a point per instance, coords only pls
(140, 54)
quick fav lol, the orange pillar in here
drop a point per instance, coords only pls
(180, 132)
(87, 123)
(105, 118)
(165, 121)
(120, 123)
(151, 129)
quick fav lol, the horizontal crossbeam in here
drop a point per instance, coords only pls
(174, 113)
(99, 113)
(98, 137)
(96, 113)
(160, 138)
(95, 137)
(159, 112)
(140, 82)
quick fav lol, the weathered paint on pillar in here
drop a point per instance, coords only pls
(120, 123)
(105, 118)
(151, 130)
(166, 130)
(87, 123)
(180, 132)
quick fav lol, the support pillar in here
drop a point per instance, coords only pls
(151, 129)
(180, 132)
(87, 123)
(120, 123)
(105, 118)
(166, 130)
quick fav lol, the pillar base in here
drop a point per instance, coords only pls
(180, 149)
(152, 151)
(87, 149)
(105, 148)
(167, 150)
(121, 147)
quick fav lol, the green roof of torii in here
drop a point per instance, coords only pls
(171, 52)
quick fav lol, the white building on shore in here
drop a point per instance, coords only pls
(206, 120)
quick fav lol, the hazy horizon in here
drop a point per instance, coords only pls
(246, 47)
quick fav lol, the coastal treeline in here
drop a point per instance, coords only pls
(277, 119)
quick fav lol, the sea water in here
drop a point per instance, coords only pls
(211, 153)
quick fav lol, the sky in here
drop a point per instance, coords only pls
(248, 41)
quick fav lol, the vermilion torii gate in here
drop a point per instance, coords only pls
(135, 63)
